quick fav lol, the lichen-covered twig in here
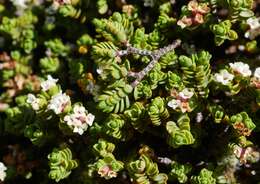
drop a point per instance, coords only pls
(155, 56)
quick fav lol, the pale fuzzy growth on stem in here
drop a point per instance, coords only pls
(155, 55)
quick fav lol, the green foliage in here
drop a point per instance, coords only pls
(179, 172)
(57, 48)
(49, 65)
(115, 126)
(204, 177)
(104, 52)
(102, 6)
(17, 119)
(71, 11)
(242, 123)
(61, 164)
(113, 31)
(157, 110)
(145, 171)
(223, 31)
(217, 112)
(35, 133)
(173, 81)
(103, 148)
(196, 71)
(108, 167)
(179, 133)
(240, 9)
(115, 97)
(135, 114)
(143, 90)
(21, 30)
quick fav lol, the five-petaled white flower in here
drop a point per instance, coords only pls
(59, 102)
(80, 119)
(31, 99)
(49, 83)
(2, 171)
(257, 73)
(241, 68)
(224, 77)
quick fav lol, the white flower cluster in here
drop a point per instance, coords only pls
(246, 155)
(45, 85)
(59, 102)
(241, 69)
(79, 120)
(2, 171)
(223, 77)
(254, 24)
(181, 100)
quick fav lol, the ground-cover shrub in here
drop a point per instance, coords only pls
(129, 91)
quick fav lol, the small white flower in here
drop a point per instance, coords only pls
(186, 94)
(19, 3)
(100, 71)
(253, 22)
(49, 83)
(199, 117)
(90, 119)
(31, 99)
(79, 120)
(241, 68)
(257, 73)
(247, 34)
(59, 102)
(2, 171)
(174, 104)
(224, 77)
